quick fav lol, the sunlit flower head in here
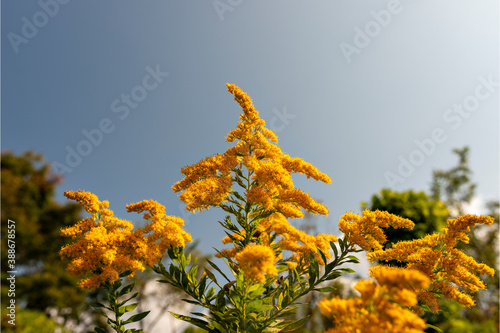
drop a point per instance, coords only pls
(366, 231)
(105, 246)
(453, 274)
(257, 164)
(382, 306)
(255, 261)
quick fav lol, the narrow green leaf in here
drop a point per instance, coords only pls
(125, 274)
(128, 299)
(218, 270)
(334, 248)
(97, 305)
(210, 294)
(128, 308)
(126, 289)
(434, 327)
(99, 330)
(136, 317)
(326, 289)
(194, 321)
(191, 301)
(347, 270)
(118, 283)
(201, 286)
(323, 257)
(295, 325)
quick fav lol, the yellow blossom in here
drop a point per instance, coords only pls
(381, 307)
(288, 238)
(106, 246)
(255, 261)
(454, 274)
(365, 231)
(209, 182)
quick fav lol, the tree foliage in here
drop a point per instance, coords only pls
(28, 189)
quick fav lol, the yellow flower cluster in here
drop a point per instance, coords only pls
(288, 238)
(209, 182)
(454, 274)
(365, 231)
(381, 307)
(106, 246)
(256, 260)
(162, 233)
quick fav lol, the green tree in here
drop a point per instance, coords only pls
(27, 197)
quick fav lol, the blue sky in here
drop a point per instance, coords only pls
(374, 93)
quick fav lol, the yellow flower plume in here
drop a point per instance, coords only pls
(382, 305)
(210, 181)
(454, 274)
(106, 246)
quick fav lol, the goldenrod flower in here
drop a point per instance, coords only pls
(365, 231)
(103, 247)
(107, 246)
(162, 233)
(288, 238)
(255, 261)
(209, 182)
(454, 274)
(381, 307)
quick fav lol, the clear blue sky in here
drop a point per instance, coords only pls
(352, 87)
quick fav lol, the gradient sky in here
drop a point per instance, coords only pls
(351, 87)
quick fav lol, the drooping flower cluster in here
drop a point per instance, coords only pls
(256, 260)
(162, 233)
(268, 181)
(382, 305)
(365, 231)
(106, 246)
(286, 238)
(454, 274)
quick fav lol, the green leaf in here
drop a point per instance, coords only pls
(194, 321)
(97, 305)
(434, 327)
(126, 289)
(333, 275)
(136, 317)
(295, 325)
(347, 270)
(211, 275)
(322, 256)
(326, 289)
(201, 286)
(210, 294)
(191, 301)
(128, 299)
(353, 259)
(117, 284)
(128, 308)
(125, 274)
(218, 270)
(99, 330)
(313, 270)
